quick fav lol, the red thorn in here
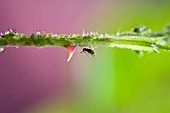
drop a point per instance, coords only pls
(71, 50)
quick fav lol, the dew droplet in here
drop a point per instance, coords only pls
(139, 53)
(155, 48)
(1, 49)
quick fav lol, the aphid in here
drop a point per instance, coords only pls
(90, 51)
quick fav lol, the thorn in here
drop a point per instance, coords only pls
(71, 50)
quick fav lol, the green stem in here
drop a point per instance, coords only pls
(135, 40)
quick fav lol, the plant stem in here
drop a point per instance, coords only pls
(135, 40)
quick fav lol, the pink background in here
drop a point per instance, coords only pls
(29, 75)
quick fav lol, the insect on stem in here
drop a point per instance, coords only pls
(90, 51)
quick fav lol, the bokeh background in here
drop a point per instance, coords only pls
(36, 80)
